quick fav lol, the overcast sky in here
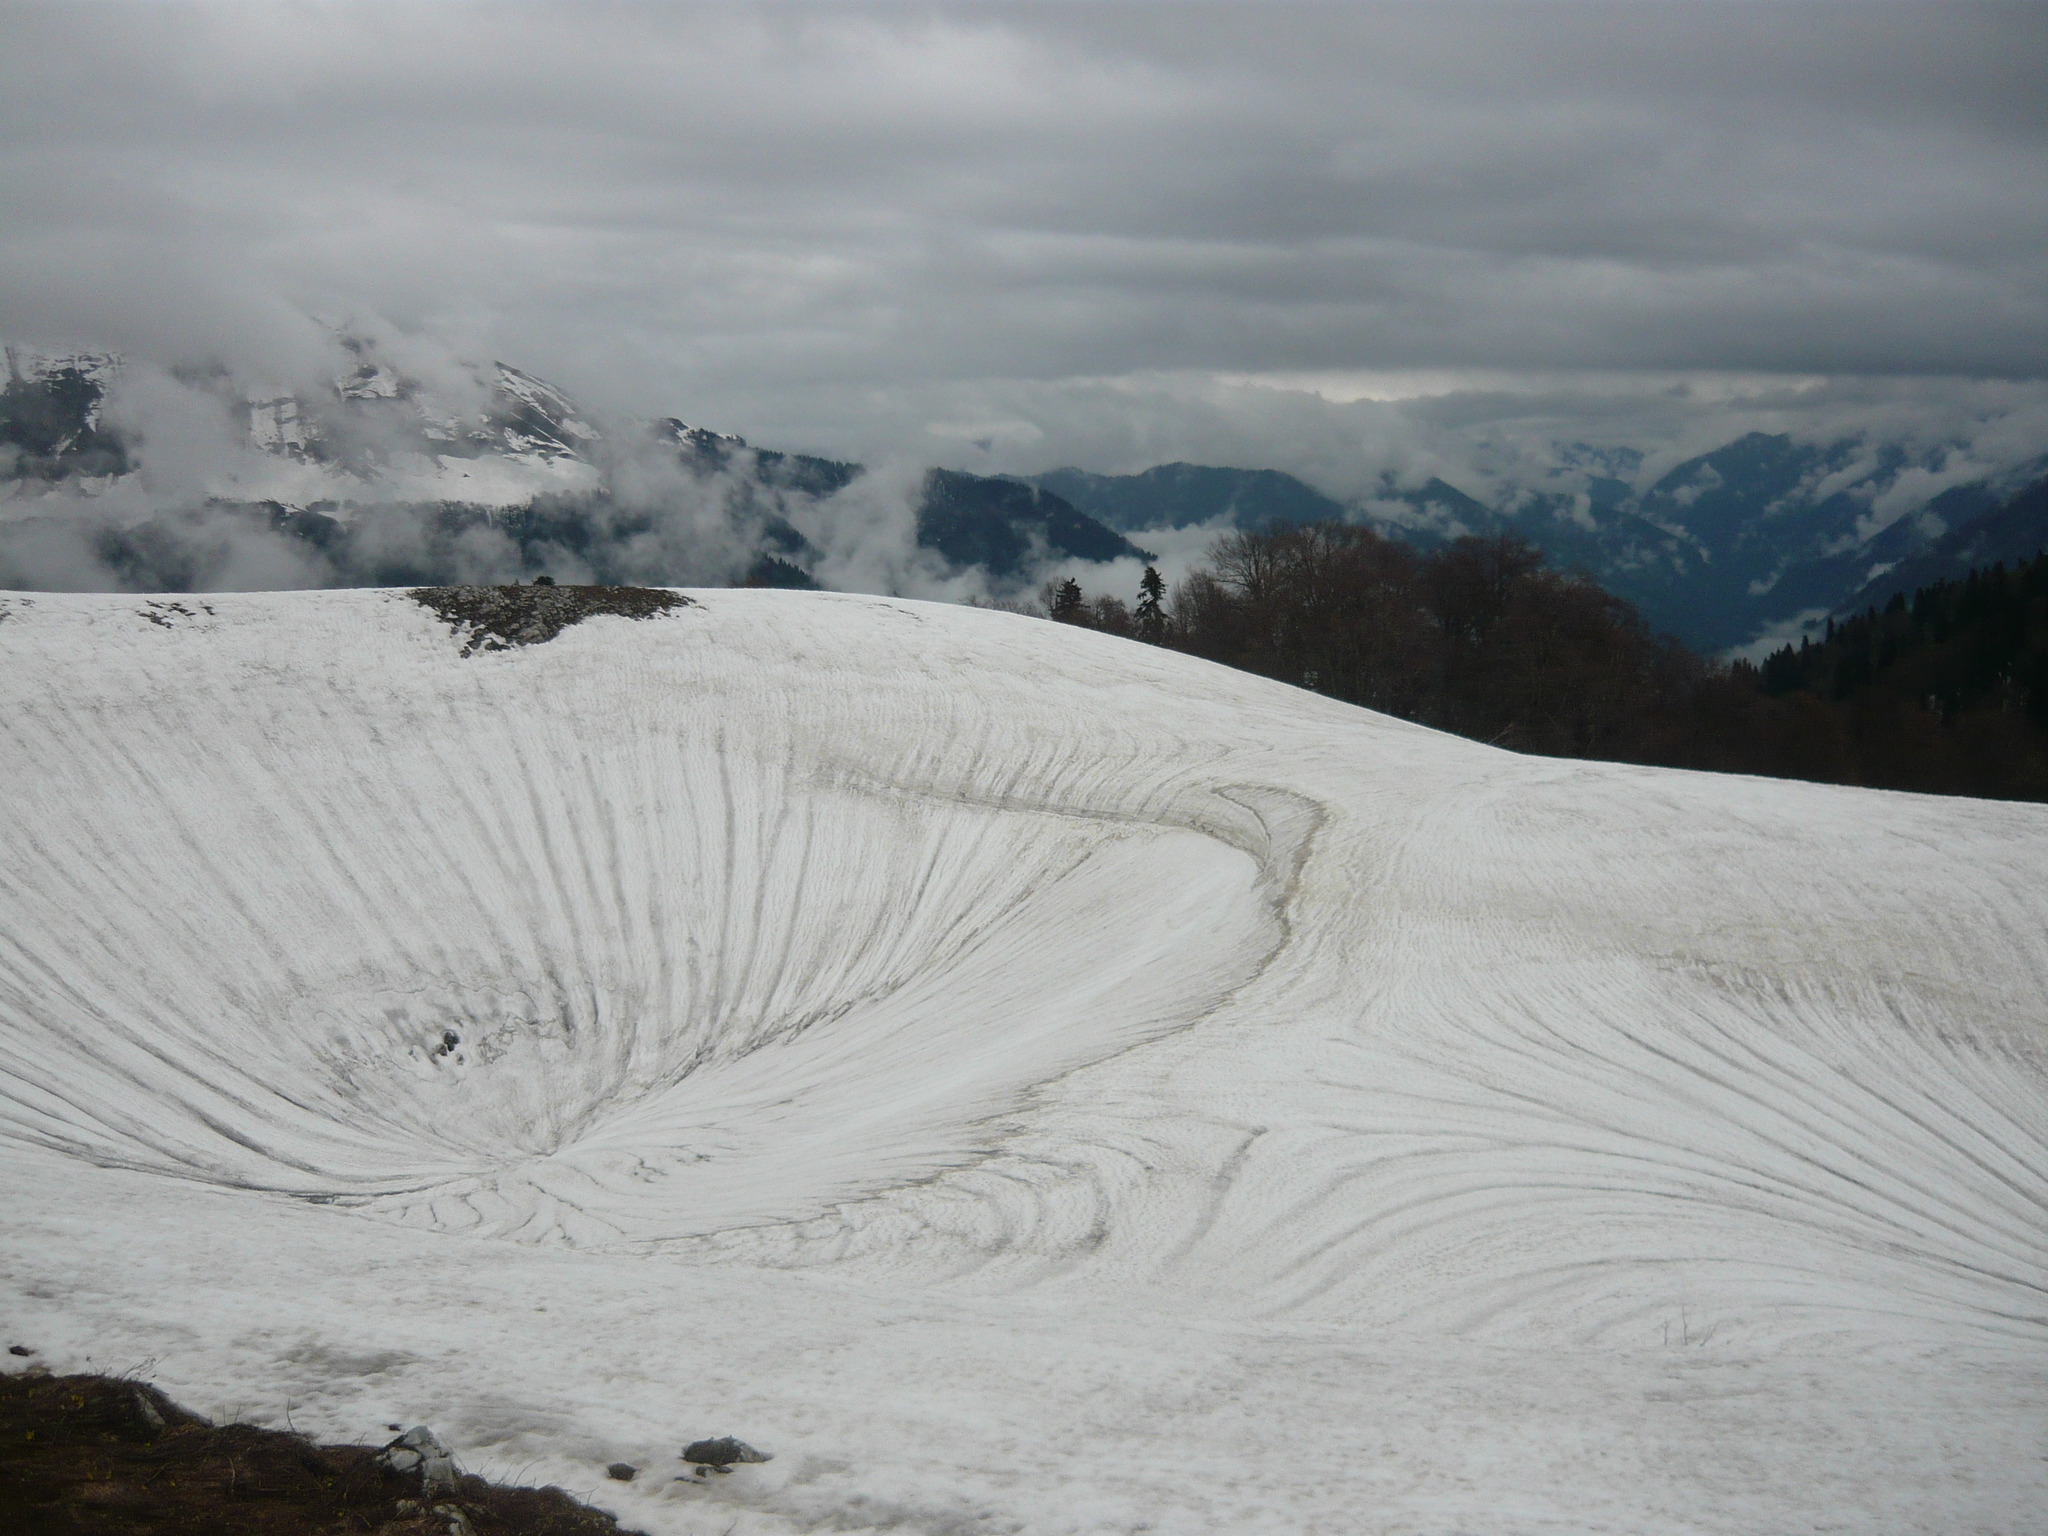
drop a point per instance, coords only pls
(1081, 232)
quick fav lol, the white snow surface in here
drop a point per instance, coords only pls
(1025, 1080)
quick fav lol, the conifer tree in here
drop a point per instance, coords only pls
(1151, 612)
(1066, 601)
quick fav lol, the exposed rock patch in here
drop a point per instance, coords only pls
(721, 1455)
(498, 618)
(418, 1452)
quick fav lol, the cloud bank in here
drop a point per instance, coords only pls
(1340, 240)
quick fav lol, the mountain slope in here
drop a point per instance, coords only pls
(50, 426)
(2010, 532)
(1027, 1080)
(995, 524)
(1180, 495)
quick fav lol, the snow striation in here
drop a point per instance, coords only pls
(1023, 1080)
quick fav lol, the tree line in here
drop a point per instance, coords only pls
(1946, 692)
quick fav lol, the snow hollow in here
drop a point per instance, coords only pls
(1025, 1080)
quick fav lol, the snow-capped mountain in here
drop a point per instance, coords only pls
(380, 475)
(494, 437)
(491, 437)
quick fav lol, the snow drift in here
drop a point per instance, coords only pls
(940, 954)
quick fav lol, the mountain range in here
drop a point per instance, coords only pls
(1761, 533)
(1758, 537)
(493, 464)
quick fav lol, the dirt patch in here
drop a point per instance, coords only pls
(498, 618)
(97, 1454)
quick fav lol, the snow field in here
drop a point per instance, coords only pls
(1030, 1081)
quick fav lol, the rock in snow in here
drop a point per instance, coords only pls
(721, 1454)
(1034, 1080)
(419, 1451)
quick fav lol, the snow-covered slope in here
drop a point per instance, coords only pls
(1029, 1081)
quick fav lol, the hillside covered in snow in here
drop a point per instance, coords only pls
(1026, 1080)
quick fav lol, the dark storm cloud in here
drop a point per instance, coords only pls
(840, 227)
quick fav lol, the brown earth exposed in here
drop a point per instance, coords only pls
(111, 1457)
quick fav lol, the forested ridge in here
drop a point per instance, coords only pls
(1945, 692)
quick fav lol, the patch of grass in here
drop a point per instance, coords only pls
(101, 1455)
(498, 618)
